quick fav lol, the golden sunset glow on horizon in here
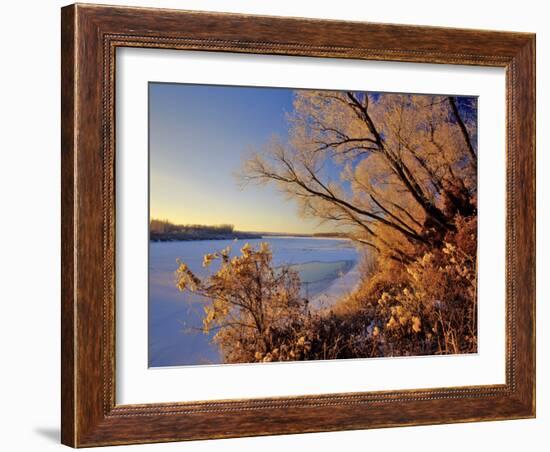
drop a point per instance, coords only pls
(197, 148)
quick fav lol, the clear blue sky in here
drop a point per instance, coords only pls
(199, 137)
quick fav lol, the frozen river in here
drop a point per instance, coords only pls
(327, 268)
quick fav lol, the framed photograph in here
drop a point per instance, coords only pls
(278, 225)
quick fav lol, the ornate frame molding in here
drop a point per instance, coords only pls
(90, 37)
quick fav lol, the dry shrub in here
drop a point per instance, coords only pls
(429, 305)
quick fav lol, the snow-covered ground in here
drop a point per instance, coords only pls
(327, 267)
(343, 285)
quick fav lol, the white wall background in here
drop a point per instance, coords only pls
(29, 230)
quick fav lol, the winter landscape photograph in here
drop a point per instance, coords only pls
(296, 224)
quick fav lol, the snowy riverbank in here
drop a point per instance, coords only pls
(327, 268)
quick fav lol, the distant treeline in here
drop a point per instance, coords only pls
(340, 235)
(164, 231)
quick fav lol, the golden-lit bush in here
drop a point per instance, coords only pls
(429, 305)
(249, 301)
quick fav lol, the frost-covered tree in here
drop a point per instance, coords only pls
(394, 169)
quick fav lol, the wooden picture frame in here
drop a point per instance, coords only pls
(90, 36)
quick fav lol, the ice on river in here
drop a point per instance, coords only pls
(327, 269)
